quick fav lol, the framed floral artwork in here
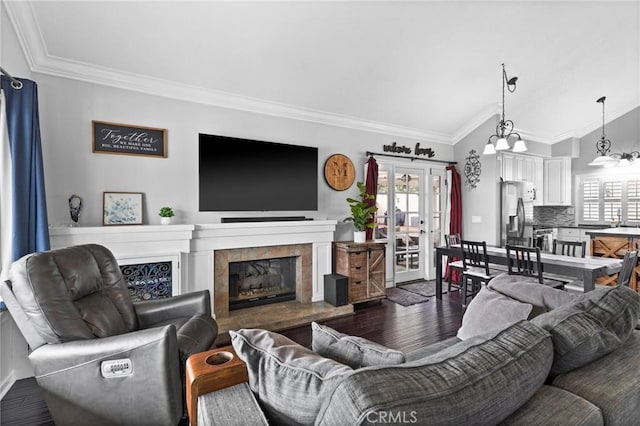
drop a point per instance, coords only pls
(122, 208)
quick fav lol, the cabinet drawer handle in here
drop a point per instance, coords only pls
(358, 267)
(358, 282)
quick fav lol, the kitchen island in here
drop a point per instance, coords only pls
(615, 242)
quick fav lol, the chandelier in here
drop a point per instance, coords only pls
(504, 129)
(603, 146)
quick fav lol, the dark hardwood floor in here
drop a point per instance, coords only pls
(385, 322)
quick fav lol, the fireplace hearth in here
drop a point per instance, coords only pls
(259, 282)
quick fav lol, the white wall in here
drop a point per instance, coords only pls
(67, 108)
(481, 201)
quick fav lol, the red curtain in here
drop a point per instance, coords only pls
(371, 184)
(455, 224)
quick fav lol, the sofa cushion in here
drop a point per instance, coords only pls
(612, 383)
(290, 380)
(555, 406)
(353, 351)
(595, 324)
(543, 298)
(431, 349)
(490, 310)
(479, 378)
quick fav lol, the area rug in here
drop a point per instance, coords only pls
(404, 297)
(423, 288)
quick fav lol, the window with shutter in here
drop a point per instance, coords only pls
(591, 200)
(609, 199)
(633, 200)
(612, 196)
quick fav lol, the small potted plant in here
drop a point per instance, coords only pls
(362, 215)
(166, 213)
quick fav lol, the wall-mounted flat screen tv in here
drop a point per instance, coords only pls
(249, 175)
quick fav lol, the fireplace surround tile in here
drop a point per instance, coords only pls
(222, 258)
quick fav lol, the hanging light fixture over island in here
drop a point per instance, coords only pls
(603, 146)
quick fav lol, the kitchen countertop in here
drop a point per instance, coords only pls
(616, 232)
(582, 226)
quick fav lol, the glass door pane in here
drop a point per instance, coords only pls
(382, 202)
(407, 216)
(436, 212)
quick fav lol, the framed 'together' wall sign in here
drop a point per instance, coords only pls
(114, 138)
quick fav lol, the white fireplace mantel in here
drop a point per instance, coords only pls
(194, 245)
(221, 236)
(127, 241)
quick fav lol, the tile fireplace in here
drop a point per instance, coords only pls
(253, 276)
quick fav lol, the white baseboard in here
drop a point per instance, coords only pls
(6, 384)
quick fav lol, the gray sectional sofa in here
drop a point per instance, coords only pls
(562, 359)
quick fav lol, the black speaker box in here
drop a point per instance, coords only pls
(336, 289)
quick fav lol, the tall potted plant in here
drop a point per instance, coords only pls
(362, 215)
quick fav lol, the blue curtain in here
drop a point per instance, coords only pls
(29, 226)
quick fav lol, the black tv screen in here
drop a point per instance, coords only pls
(249, 175)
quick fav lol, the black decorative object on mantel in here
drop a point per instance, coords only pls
(75, 207)
(473, 168)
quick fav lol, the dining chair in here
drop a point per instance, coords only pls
(524, 261)
(519, 241)
(476, 270)
(568, 248)
(453, 263)
(628, 265)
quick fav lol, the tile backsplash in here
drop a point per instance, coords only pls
(554, 215)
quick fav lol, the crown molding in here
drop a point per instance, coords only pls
(475, 122)
(39, 60)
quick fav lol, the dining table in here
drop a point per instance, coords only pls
(586, 268)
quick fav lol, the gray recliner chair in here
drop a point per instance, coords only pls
(99, 358)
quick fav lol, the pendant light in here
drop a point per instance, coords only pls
(504, 129)
(603, 147)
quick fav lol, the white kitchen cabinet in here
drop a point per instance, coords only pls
(557, 181)
(569, 234)
(519, 167)
(508, 166)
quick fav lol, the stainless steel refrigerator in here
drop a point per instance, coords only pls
(516, 219)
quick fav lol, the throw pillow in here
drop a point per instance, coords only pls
(290, 380)
(491, 310)
(353, 351)
(597, 323)
(528, 290)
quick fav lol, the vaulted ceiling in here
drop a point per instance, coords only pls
(427, 70)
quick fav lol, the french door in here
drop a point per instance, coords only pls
(410, 218)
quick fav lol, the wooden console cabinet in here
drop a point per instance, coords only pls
(364, 266)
